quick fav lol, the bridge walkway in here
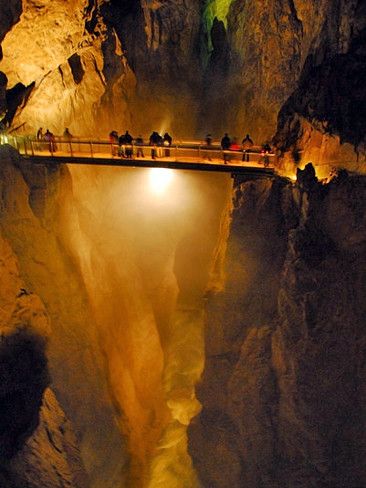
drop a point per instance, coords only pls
(188, 155)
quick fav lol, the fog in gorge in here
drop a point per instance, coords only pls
(146, 252)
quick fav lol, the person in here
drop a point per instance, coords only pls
(39, 138)
(139, 142)
(128, 145)
(50, 138)
(225, 146)
(167, 141)
(122, 146)
(247, 144)
(159, 143)
(67, 134)
(154, 138)
(113, 140)
(266, 149)
(68, 137)
(208, 147)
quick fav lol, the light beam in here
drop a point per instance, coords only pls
(160, 180)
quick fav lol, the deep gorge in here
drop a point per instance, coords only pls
(212, 334)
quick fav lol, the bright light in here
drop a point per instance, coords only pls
(160, 179)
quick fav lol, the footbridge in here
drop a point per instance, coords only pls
(186, 155)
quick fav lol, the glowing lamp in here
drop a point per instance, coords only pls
(160, 179)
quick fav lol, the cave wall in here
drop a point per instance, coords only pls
(282, 389)
(30, 205)
(191, 68)
(37, 443)
(323, 119)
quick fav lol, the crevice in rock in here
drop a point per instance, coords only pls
(77, 69)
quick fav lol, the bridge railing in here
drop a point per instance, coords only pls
(74, 147)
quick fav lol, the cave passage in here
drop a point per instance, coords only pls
(145, 241)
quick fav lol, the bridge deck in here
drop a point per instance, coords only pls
(215, 165)
(186, 155)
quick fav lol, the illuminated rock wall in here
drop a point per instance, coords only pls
(282, 389)
(36, 442)
(30, 200)
(192, 68)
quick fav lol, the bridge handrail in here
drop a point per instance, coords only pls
(29, 145)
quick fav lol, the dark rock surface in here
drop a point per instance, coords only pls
(282, 390)
(328, 106)
(50, 458)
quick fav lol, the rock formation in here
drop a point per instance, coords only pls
(192, 69)
(30, 203)
(36, 442)
(323, 119)
(283, 400)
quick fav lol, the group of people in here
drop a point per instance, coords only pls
(247, 144)
(123, 145)
(49, 137)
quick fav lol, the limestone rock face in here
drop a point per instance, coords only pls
(30, 199)
(10, 11)
(24, 325)
(61, 60)
(50, 458)
(282, 393)
(323, 119)
(72, 56)
(36, 442)
(191, 68)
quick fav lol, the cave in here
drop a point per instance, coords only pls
(183, 328)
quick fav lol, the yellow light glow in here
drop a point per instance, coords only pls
(160, 179)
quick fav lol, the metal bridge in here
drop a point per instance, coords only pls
(187, 155)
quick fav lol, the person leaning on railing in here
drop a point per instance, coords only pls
(113, 140)
(50, 138)
(208, 146)
(225, 146)
(247, 144)
(167, 141)
(139, 142)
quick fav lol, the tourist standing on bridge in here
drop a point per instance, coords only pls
(167, 141)
(160, 145)
(209, 146)
(247, 144)
(39, 138)
(139, 142)
(50, 138)
(113, 140)
(128, 145)
(225, 146)
(154, 140)
(266, 150)
(67, 134)
(122, 145)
